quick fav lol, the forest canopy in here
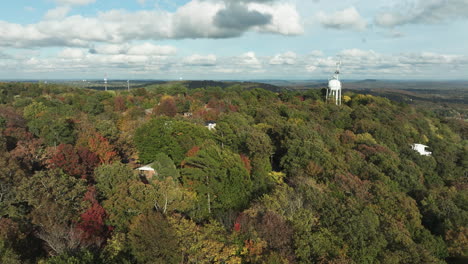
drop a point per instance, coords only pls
(283, 177)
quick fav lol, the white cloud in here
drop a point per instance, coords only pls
(285, 18)
(72, 53)
(345, 19)
(144, 49)
(201, 60)
(248, 59)
(57, 13)
(311, 68)
(431, 58)
(192, 20)
(357, 53)
(110, 49)
(287, 58)
(356, 62)
(228, 70)
(119, 60)
(423, 12)
(369, 63)
(151, 49)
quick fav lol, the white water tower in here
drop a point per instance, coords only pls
(334, 86)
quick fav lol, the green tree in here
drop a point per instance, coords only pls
(130, 199)
(164, 135)
(165, 167)
(93, 106)
(109, 176)
(81, 257)
(219, 179)
(170, 195)
(10, 175)
(53, 129)
(152, 240)
(209, 243)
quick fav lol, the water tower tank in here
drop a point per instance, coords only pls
(334, 85)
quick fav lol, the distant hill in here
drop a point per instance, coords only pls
(225, 84)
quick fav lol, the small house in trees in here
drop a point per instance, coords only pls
(149, 111)
(421, 149)
(146, 171)
(210, 125)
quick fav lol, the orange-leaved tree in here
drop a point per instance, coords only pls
(103, 149)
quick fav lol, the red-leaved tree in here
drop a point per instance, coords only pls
(92, 225)
(77, 162)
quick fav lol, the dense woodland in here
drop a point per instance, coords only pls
(284, 177)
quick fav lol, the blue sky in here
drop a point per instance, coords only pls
(233, 39)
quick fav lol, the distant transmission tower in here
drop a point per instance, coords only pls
(128, 85)
(334, 86)
(105, 82)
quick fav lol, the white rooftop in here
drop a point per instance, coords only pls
(421, 149)
(145, 168)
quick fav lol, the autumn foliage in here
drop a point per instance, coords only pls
(75, 161)
(167, 106)
(284, 178)
(92, 221)
(103, 149)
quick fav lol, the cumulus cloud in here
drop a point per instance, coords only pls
(110, 49)
(345, 19)
(144, 57)
(431, 58)
(248, 59)
(239, 18)
(196, 19)
(287, 58)
(357, 63)
(285, 19)
(369, 63)
(200, 60)
(247, 63)
(423, 12)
